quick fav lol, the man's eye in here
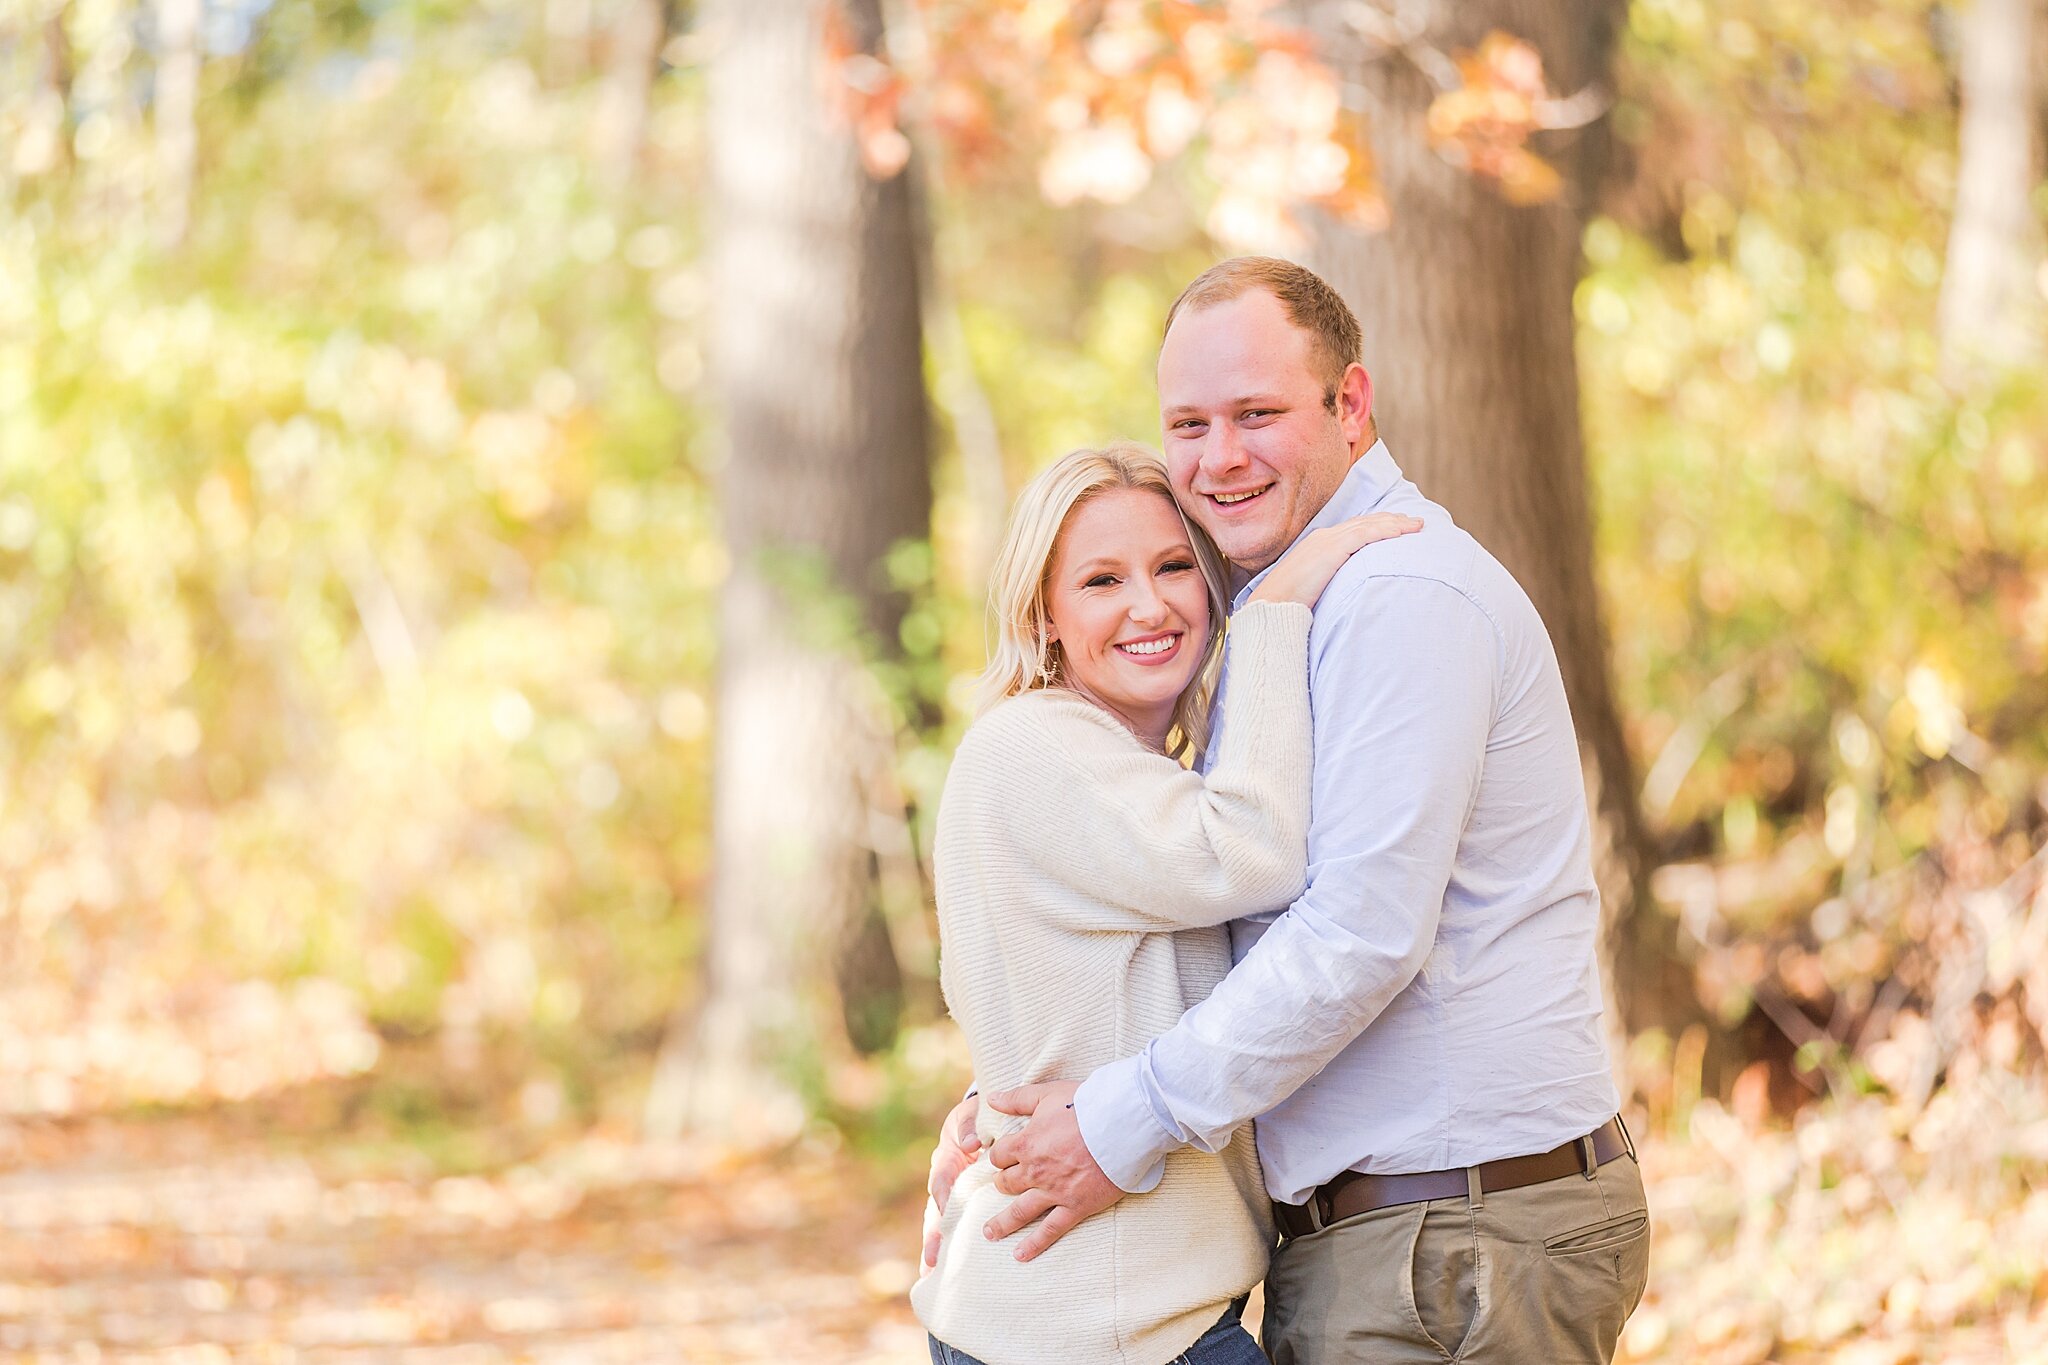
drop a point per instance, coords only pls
(1188, 424)
(1262, 412)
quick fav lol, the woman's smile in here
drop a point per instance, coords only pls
(1152, 650)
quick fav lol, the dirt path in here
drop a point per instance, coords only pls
(193, 1242)
(159, 1245)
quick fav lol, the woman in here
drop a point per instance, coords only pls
(1084, 876)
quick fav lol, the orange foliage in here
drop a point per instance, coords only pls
(1097, 97)
(1485, 122)
(1101, 95)
(868, 93)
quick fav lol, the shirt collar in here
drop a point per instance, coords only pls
(1370, 478)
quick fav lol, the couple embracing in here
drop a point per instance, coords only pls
(1365, 918)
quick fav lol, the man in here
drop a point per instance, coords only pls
(1418, 1035)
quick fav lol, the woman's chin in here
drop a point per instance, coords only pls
(1139, 692)
(1157, 694)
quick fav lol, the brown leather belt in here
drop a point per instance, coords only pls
(1355, 1192)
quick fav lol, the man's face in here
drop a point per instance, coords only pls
(1252, 450)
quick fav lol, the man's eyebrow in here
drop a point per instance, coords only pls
(1251, 400)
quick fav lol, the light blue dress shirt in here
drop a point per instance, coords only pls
(1432, 999)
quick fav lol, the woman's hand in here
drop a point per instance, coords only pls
(957, 1149)
(1305, 570)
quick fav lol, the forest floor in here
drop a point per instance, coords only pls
(218, 1236)
(168, 1240)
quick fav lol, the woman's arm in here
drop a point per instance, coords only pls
(1144, 842)
(1148, 844)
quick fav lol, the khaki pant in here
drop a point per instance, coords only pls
(1542, 1275)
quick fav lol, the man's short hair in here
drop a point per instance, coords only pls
(1311, 305)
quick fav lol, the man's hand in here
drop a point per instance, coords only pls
(1047, 1166)
(958, 1145)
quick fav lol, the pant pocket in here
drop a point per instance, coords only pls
(1632, 1260)
(1605, 1235)
(1443, 1275)
(1233, 1346)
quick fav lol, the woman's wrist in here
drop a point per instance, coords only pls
(1273, 606)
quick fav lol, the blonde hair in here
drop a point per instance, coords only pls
(1021, 657)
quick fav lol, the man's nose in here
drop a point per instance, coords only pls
(1223, 452)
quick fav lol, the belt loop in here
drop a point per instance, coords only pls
(1314, 1209)
(1475, 1191)
(1627, 1140)
(1589, 1163)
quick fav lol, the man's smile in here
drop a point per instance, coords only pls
(1234, 499)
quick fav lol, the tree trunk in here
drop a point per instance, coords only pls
(53, 82)
(818, 361)
(1466, 305)
(633, 52)
(1990, 296)
(565, 33)
(176, 100)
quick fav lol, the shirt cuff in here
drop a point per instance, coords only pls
(1120, 1129)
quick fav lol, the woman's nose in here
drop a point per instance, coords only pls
(1147, 606)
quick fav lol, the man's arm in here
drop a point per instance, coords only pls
(1405, 679)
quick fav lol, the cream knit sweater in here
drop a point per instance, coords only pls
(1083, 882)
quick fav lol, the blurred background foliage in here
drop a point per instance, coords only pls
(360, 551)
(1822, 547)
(358, 558)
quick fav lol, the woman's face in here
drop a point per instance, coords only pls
(1129, 607)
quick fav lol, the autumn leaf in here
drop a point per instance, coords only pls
(1484, 123)
(1524, 177)
(867, 93)
(1105, 94)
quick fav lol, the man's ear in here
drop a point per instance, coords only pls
(1354, 403)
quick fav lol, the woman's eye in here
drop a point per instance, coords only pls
(1101, 580)
(1175, 566)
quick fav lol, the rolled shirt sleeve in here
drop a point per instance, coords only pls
(1406, 673)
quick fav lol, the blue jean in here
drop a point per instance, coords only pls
(1227, 1343)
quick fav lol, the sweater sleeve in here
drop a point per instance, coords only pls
(1147, 844)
